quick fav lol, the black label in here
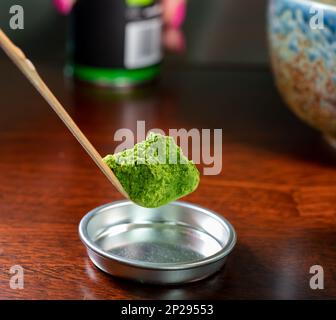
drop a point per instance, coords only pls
(99, 31)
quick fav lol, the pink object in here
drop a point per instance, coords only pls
(179, 15)
(63, 6)
(174, 40)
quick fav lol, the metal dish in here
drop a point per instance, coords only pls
(177, 243)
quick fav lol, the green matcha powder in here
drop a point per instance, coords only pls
(154, 172)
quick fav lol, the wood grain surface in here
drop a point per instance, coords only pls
(277, 186)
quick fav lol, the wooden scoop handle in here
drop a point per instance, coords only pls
(28, 69)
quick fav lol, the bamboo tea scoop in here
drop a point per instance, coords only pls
(28, 69)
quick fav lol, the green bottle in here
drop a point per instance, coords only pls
(116, 42)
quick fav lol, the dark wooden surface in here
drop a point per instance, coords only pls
(277, 187)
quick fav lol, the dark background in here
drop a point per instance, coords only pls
(217, 31)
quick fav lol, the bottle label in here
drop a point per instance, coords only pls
(143, 43)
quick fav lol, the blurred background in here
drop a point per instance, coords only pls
(217, 31)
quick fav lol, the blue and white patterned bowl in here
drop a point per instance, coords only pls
(302, 38)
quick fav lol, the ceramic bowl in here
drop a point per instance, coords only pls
(302, 40)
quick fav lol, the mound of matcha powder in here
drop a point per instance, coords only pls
(154, 172)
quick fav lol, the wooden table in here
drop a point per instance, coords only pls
(277, 187)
